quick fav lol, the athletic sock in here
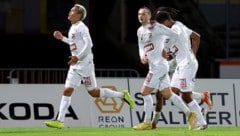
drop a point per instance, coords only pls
(65, 103)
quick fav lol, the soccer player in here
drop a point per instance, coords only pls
(151, 51)
(204, 96)
(81, 65)
(185, 49)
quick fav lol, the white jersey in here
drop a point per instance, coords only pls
(151, 38)
(183, 49)
(80, 44)
(187, 65)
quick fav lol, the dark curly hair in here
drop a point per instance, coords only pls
(172, 11)
(162, 16)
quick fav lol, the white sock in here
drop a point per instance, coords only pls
(156, 116)
(197, 95)
(178, 102)
(106, 92)
(193, 105)
(148, 108)
(65, 103)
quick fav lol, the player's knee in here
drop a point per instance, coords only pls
(187, 97)
(166, 93)
(176, 91)
(94, 92)
(68, 91)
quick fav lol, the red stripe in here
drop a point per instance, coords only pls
(229, 62)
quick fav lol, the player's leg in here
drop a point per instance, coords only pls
(193, 105)
(176, 100)
(201, 122)
(150, 82)
(158, 109)
(73, 80)
(187, 85)
(177, 84)
(204, 96)
(148, 106)
(91, 85)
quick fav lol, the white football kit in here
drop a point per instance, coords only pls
(187, 65)
(80, 45)
(151, 43)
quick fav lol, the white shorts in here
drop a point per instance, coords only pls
(85, 75)
(157, 81)
(184, 78)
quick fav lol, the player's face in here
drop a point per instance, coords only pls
(167, 23)
(73, 15)
(143, 16)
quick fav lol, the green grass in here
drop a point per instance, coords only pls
(165, 131)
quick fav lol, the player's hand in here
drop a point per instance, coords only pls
(164, 54)
(170, 55)
(73, 60)
(58, 35)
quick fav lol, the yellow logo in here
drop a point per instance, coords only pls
(109, 105)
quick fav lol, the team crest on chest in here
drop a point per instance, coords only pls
(167, 40)
(149, 35)
(73, 36)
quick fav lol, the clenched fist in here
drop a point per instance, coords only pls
(58, 35)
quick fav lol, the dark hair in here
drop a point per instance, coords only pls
(172, 11)
(162, 16)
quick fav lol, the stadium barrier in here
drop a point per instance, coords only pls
(29, 105)
(54, 75)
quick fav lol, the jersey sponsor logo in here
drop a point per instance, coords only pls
(149, 47)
